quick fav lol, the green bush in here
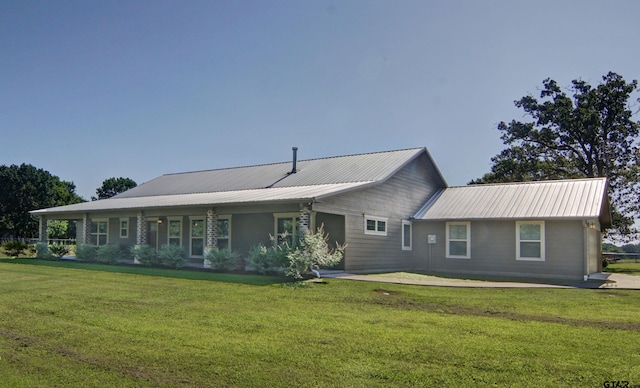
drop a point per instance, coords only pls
(145, 254)
(15, 248)
(222, 259)
(43, 252)
(59, 250)
(172, 255)
(109, 253)
(605, 263)
(86, 252)
(260, 259)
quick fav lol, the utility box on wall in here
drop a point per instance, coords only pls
(431, 239)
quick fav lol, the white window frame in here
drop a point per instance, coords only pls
(377, 221)
(169, 237)
(296, 226)
(467, 240)
(98, 234)
(204, 234)
(410, 246)
(541, 241)
(125, 229)
(228, 238)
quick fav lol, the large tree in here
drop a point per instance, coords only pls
(25, 188)
(113, 186)
(581, 131)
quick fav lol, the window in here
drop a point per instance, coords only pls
(406, 235)
(286, 228)
(224, 232)
(530, 240)
(99, 232)
(124, 227)
(458, 237)
(174, 234)
(375, 225)
(196, 246)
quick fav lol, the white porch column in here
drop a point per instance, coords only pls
(42, 230)
(211, 234)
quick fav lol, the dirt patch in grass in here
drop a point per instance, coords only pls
(394, 300)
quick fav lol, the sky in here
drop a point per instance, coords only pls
(97, 89)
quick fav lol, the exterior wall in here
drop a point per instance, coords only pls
(493, 250)
(398, 198)
(334, 226)
(248, 230)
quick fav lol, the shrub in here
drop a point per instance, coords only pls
(172, 255)
(109, 253)
(59, 250)
(313, 252)
(43, 252)
(15, 248)
(222, 259)
(605, 263)
(145, 254)
(261, 258)
(86, 252)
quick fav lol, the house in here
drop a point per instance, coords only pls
(394, 209)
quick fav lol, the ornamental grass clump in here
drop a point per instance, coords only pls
(223, 259)
(15, 248)
(172, 256)
(59, 250)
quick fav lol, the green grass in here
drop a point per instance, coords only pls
(77, 327)
(624, 266)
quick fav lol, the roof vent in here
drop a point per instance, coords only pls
(295, 160)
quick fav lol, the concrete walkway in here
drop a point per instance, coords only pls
(601, 280)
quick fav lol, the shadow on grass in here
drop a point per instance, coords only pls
(185, 273)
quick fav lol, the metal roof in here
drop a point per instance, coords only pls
(371, 167)
(576, 198)
(299, 193)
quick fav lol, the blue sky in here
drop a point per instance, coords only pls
(97, 89)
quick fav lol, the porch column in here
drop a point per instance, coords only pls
(42, 230)
(141, 230)
(212, 234)
(86, 228)
(141, 233)
(305, 219)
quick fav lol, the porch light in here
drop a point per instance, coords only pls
(160, 221)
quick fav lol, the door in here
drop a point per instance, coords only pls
(152, 234)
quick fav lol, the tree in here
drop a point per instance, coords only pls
(26, 188)
(590, 133)
(113, 186)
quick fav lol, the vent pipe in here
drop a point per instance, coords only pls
(295, 160)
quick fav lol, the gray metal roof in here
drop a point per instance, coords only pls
(577, 198)
(313, 180)
(371, 167)
(299, 193)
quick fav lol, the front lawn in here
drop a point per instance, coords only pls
(79, 327)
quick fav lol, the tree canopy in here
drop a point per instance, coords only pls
(577, 132)
(113, 186)
(26, 188)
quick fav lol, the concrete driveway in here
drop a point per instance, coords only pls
(601, 280)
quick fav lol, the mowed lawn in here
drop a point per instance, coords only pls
(80, 327)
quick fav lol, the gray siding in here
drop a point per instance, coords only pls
(248, 230)
(396, 199)
(493, 250)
